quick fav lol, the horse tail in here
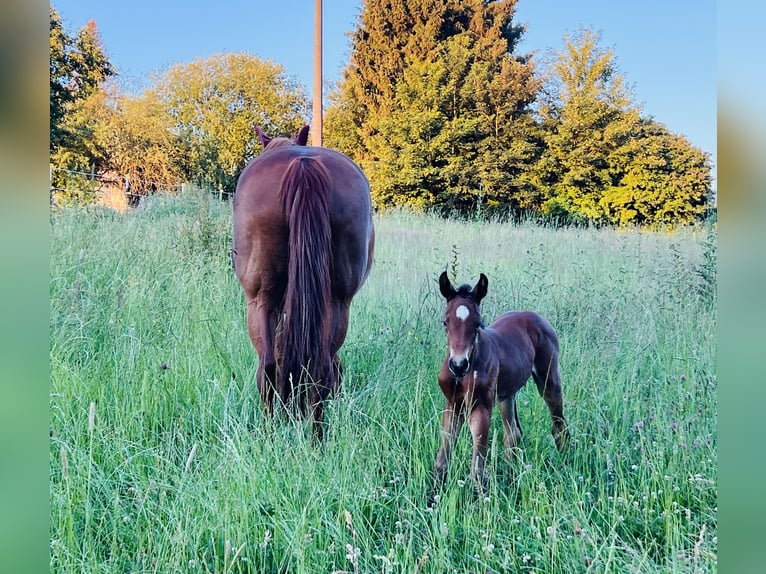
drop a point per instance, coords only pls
(303, 341)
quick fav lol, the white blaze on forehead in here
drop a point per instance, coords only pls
(462, 312)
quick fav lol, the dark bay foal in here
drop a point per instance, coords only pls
(484, 365)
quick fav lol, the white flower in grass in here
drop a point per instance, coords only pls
(352, 554)
(92, 417)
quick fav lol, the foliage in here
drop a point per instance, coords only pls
(196, 123)
(436, 105)
(121, 137)
(602, 161)
(77, 67)
(213, 106)
(436, 108)
(590, 118)
(340, 133)
(161, 458)
(663, 180)
(439, 104)
(74, 187)
(141, 145)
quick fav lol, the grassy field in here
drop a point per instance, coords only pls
(161, 460)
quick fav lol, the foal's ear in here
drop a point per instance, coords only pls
(448, 292)
(265, 140)
(302, 137)
(480, 290)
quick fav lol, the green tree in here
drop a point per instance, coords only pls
(589, 118)
(664, 180)
(78, 66)
(603, 161)
(136, 135)
(439, 103)
(340, 130)
(213, 106)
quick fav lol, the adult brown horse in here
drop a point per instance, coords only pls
(488, 364)
(303, 245)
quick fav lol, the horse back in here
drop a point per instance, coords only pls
(525, 328)
(260, 223)
(521, 338)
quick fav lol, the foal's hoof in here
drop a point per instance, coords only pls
(562, 439)
(434, 488)
(480, 486)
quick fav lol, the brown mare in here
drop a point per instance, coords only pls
(488, 364)
(303, 244)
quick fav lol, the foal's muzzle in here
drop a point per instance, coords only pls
(458, 368)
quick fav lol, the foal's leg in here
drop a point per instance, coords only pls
(548, 381)
(478, 421)
(511, 427)
(452, 421)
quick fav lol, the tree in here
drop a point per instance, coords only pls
(439, 103)
(78, 66)
(136, 135)
(589, 118)
(602, 160)
(213, 106)
(340, 130)
(663, 180)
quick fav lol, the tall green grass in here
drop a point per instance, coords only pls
(162, 461)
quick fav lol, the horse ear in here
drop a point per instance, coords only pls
(448, 292)
(265, 140)
(480, 290)
(302, 137)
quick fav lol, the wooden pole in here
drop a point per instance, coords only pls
(316, 123)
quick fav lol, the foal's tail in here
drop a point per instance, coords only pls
(303, 341)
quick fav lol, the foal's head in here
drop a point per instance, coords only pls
(462, 321)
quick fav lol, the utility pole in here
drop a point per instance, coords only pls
(316, 122)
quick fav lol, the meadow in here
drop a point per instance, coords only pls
(161, 459)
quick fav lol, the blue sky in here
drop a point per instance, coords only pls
(666, 50)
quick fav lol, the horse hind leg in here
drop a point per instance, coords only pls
(261, 332)
(548, 380)
(340, 316)
(511, 428)
(337, 370)
(267, 381)
(317, 415)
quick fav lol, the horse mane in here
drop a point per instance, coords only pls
(303, 341)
